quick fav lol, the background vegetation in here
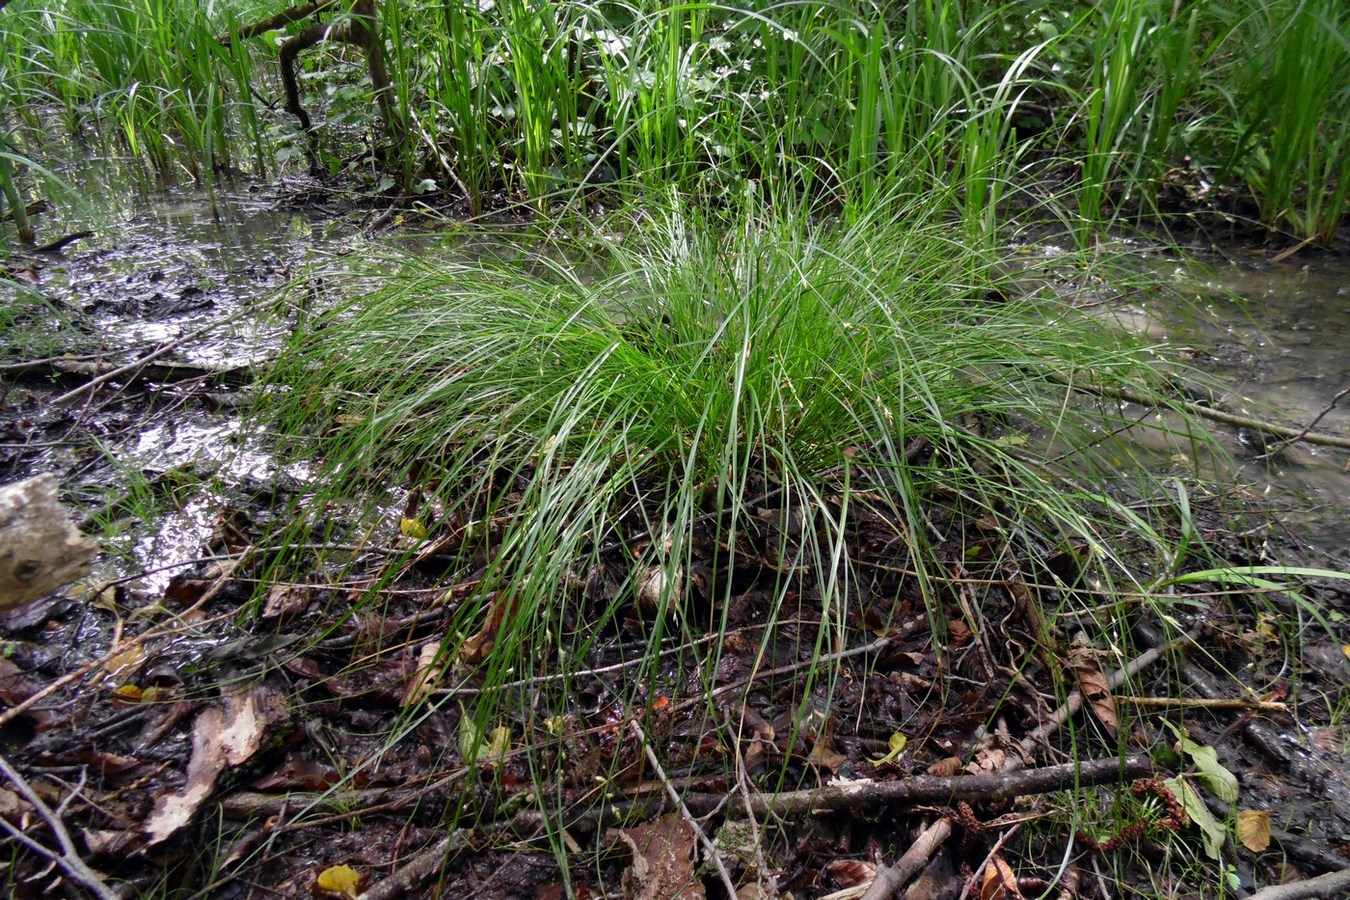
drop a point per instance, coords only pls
(1122, 110)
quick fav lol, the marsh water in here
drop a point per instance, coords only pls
(161, 265)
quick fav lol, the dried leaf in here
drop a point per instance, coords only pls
(663, 861)
(13, 808)
(821, 755)
(222, 736)
(945, 768)
(988, 760)
(131, 693)
(341, 880)
(1096, 691)
(123, 665)
(1253, 829)
(477, 646)
(849, 873)
(285, 600)
(427, 674)
(999, 881)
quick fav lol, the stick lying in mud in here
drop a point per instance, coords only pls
(68, 859)
(121, 647)
(890, 879)
(138, 364)
(1207, 412)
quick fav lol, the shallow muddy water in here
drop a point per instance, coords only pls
(1276, 338)
(161, 266)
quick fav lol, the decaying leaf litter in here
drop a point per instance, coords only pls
(292, 728)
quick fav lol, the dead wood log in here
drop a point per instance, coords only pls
(40, 549)
(358, 28)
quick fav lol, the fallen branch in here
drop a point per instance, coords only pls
(708, 847)
(1276, 448)
(61, 243)
(1277, 745)
(272, 23)
(234, 376)
(890, 879)
(120, 647)
(1206, 412)
(150, 357)
(404, 882)
(931, 789)
(69, 858)
(1332, 884)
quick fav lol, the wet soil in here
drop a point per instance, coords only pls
(329, 766)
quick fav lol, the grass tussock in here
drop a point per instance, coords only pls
(822, 422)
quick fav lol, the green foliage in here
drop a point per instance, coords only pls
(716, 374)
(540, 99)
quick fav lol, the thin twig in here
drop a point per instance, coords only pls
(69, 858)
(988, 858)
(1204, 412)
(1276, 448)
(163, 349)
(708, 847)
(1204, 703)
(120, 647)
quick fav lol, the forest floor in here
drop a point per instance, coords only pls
(163, 740)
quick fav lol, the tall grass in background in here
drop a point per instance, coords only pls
(539, 100)
(148, 75)
(1289, 101)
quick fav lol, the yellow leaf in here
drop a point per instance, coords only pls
(343, 880)
(1345, 648)
(1253, 829)
(128, 692)
(412, 528)
(123, 665)
(897, 744)
(499, 743)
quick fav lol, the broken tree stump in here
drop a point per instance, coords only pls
(41, 550)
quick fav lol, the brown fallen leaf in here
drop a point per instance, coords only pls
(13, 808)
(1253, 829)
(999, 881)
(478, 645)
(431, 664)
(663, 861)
(285, 601)
(849, 873)
(122, 666)
(1096, 690)
(821, 755)
(223, 735)
(946, 767)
